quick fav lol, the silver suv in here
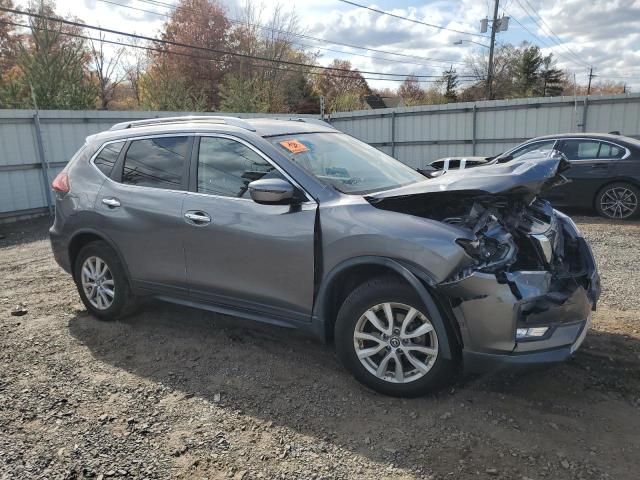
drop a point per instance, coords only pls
(296, 224)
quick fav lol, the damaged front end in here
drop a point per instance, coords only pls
(529, 286)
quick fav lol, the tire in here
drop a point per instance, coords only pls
(101, 304)
(627, 197)
(354, 318)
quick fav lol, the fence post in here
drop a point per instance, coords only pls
(393, 134)
(473, 130)
(43, 162)
(585, 109)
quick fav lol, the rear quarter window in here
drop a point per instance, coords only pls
(106, 159)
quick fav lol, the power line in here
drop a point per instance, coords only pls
(530, 11)
(213, 50)
(318, 39)
(382, 12)
(545, 44)
(405, 62)
(183, 54)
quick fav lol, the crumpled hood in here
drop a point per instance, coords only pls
(526, 177)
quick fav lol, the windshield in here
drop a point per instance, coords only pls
(347, 164)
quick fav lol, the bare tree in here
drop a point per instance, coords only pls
(136, 63)
(107, 70)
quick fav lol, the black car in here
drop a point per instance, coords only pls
(604, 173)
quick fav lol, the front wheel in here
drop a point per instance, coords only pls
(385, 338)
(618, 201)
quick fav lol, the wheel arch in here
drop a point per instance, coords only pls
(610, 181)
(341, 281)
(84, 237)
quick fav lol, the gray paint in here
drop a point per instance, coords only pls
(277, 263)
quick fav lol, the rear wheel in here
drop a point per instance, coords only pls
(618, 200)
(102, 282)
(386, 339)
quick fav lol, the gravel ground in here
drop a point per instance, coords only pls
(177, 393)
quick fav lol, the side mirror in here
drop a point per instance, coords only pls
(271, 191)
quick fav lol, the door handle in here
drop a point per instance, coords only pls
(197, 217)
(599, 165)
(111, 202)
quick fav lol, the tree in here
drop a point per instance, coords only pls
(518, 72)
(450, 82)
(340, 80)
(202, 23)
(242, 94)
(10, 89)
(161, 89)
(550, 79)
(527, 69)
(268, 83)
(107, 71)
(53, 66)
(8, 38)
(411, 92)
(136, 62)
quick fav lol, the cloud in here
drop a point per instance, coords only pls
(602, 33)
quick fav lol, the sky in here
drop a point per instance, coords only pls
(604, 34)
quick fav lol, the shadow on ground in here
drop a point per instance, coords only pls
(277, 375)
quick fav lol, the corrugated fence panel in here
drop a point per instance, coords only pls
(414, 135)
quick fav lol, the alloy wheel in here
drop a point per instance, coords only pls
(619, 202)
(395, 342)
(97, 283)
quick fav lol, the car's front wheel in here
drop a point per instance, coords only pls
(618, 200)
(386, 339)
(102, 282)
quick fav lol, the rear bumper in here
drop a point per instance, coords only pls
(60, 249)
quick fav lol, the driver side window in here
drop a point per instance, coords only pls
(226, 167)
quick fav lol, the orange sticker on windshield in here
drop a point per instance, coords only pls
(294, 146)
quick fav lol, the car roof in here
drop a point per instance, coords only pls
(598, 136)
(263, 127)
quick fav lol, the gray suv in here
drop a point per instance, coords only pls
(296, 224)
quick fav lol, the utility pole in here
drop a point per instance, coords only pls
(591, 75)
(494, 27)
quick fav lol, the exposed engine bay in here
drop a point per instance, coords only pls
(521, 251)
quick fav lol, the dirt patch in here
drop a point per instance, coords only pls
(178, 393)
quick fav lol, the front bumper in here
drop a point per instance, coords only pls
(490, 307)
(479, 362)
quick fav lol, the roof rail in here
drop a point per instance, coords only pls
(221, 120)
(315, 121)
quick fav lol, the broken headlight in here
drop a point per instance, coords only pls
(491, 249)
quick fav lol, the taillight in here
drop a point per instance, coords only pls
(61, 183)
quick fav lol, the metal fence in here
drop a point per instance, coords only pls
(418, 135)
(35, 146)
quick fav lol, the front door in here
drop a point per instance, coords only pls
(239, 253)
(141, 210)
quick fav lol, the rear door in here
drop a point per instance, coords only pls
(141, 210)
(239, 253)
(592, 164)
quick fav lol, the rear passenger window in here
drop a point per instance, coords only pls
(581, 149)
(107, 157)
(226, 167)
(156, 162)
(608, 150)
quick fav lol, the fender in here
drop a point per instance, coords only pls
(320, 322)
(103, 237)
